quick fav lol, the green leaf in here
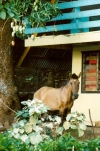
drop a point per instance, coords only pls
(49, 125)
(1, 7)
(80, 132)
(80, 118)
(35, 139)
(3, 14)
(21, 131)
(59, 130)
(66, 125)
(11, 14)
(82, 126)
(21, 123)
(68, 117)
(28, 128)
(38, 129)
(33, 120)
(73, 126)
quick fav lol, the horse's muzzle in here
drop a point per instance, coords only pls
(75, 96)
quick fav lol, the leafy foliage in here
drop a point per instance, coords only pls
(12, 144)
(32, 12)
(35, 132)
(62, 143)
(31, 126)
(76, 121)
(69, 143)
(34, 125)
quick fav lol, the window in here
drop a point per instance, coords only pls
(91, 71)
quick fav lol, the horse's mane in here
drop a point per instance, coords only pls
(74, 76)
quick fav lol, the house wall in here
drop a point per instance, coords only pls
(85, 101)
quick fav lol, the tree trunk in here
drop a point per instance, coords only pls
(9, 101)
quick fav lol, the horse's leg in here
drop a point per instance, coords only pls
(68, 112)
(61, 111)
(68, 109)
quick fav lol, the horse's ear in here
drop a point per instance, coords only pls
(79, 75)
(70, 75)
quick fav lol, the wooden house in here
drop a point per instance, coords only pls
(76, 30)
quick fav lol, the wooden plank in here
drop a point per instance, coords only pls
(93, 78)
(87, 47)
(66, 39)
(90, 74)
(90, 82)
(91, 58)
(89, 66)
(63, 27)
(64, 47)
(79, 3)
(23, 56)
(91, 88)
(80, 14)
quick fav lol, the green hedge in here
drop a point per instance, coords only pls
(62, 143)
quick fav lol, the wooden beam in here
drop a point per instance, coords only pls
(80, 3)
(64, 27)
(23, 56)
(78, 14)
(64, 39)
(64, 47)
(87, 47)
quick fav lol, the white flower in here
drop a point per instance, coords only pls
(12, 24)
(20, 29)
(13, 33)
(23, 28)
(42, 119)
(16, 27)
(32, 37)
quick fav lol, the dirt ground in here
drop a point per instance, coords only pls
(90, 133)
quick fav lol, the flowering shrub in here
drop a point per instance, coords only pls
(34, 125)
(76, 121)
(31, 126)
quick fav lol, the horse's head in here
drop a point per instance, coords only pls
(74, 82)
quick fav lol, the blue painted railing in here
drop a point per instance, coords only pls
(84, 17)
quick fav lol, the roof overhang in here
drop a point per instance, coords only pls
(64, 39)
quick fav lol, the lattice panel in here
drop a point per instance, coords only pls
(49, 58)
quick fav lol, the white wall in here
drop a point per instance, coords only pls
(85, 101)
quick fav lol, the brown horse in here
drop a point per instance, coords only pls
(60, 99)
